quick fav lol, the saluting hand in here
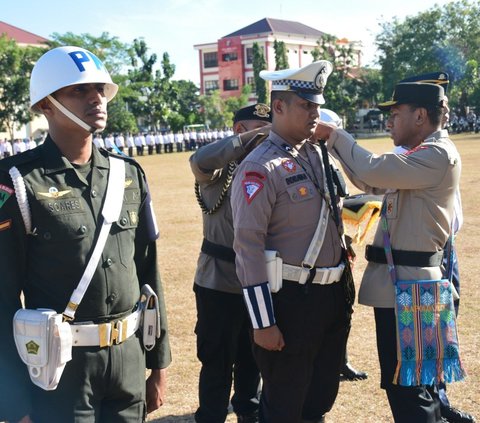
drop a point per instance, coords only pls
(269, 338)
(255, 137)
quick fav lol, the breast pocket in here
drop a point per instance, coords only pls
(59, 220)
(304, 204)
(124, 230)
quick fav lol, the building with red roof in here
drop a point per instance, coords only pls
(226, 65)
(21, 36)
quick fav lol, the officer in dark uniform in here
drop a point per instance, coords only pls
(64, 184)
(223, 341)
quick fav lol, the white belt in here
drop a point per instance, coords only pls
(323, 275)
(105, 334)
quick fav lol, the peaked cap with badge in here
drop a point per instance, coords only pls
(308, 82)
(257, 111)
(439, 78)
(421, 94)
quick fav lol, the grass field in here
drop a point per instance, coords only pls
(179, 217)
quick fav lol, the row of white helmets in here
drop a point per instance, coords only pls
(65, 66)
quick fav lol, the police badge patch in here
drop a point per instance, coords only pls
(289, 165)
(251, 188)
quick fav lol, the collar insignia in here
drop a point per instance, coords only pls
(53, 192)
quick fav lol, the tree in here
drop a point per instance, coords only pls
(281, 59)
(187, 104)
(110, 50)
(343, 87)
(443, 38)
(218, 112)
(371, 87)
(258, 65)
(16, 65)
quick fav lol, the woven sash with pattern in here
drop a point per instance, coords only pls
(427, 344)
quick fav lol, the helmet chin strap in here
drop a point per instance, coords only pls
(71, 116)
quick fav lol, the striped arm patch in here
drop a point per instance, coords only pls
(259, 304)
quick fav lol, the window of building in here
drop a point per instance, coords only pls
(230, 84)
(211, 86)
(210, 60)
(249, 54)
(230, 57)
(251, 82)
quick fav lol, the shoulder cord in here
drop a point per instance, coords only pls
(22, 200)
(221, 199)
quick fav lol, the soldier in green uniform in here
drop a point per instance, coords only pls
(65, 182)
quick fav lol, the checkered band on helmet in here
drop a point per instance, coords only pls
(304, 85)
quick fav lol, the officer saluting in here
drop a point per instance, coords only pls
(281, 202)
(222, 329)
(52, 212)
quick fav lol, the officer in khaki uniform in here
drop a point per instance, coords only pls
(65, 183)
(419, 188)
(223, 340)
(279, 193)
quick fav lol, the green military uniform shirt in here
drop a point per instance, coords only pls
(66, 206)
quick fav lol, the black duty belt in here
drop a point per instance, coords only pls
(218, 251)
(405, 258)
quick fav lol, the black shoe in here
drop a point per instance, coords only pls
(454, 415)
(248, 418)
(347, 372)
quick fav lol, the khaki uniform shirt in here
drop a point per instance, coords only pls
(276, 199)
(47, 266)
(419, 189)
(209, 165)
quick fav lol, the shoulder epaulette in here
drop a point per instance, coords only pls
(19, 159)
(128, 159)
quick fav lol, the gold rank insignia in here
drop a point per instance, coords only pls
(54, 193)
(128, 182)
(303, 191)
(32, 347)
(133, 217)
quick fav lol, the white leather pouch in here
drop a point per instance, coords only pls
(44, 343)
(274, 270)
(150, 318)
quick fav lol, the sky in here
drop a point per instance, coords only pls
(174, 26)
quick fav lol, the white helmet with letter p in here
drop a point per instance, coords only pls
(65, 66)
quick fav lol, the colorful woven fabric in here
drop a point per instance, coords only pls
(427, 343)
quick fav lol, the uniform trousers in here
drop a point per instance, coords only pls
(225, 351)
(101, 385)
(302, 380)
(409, 404)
